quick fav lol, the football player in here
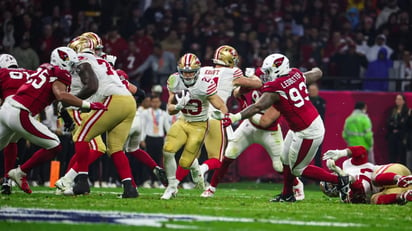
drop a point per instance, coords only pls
(262, 128)
(226, 75)
(11, 78)
(375, 184)
(50, 82)
(286, 90)
(116, 121)
(190, 129)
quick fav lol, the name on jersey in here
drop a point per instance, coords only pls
(212, 72)
(295, 77)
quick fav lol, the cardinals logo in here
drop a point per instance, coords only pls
(63, 55)
(278, 62)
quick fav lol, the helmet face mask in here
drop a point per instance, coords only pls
(7, 60)
(65, 58)
(226, 56)
(188, 68)
(274, 66)
(329, 189)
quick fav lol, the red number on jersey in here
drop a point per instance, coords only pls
(109, 68)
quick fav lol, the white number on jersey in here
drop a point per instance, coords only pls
(296, 96)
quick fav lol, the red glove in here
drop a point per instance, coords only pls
(226, 121)
(98, 106)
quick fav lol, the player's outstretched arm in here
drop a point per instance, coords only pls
(313, 75)
(264, 102)
(218, 103)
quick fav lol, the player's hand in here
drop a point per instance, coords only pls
(182, 100)
(97, 106)
(218, 115)
(334, 154)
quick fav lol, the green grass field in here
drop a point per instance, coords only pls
(237, 206)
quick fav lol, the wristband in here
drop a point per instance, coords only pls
(85, 104)
(256, 118)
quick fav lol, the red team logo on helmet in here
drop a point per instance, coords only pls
(278, 62)
(63, 55)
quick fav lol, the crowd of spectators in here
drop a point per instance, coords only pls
(341, 37)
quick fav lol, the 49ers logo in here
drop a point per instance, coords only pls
(278, 62)
(63, 55)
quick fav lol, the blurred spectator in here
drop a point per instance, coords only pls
(357, 130)
(348, 63)
(380, 42)
(397, 130)
(157, 91)
(8, 36)
(377, 73)
(320, 105)
(47, 42)
(144, 42)
(156, 121)
(25, 55)
(114, 43)
(172, 43)
(390, 7)
(403, 70)
(131, 59)
(161, 64)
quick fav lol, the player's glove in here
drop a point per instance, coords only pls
(93, 106)
(218, 115)
(334, 154)
(68, 121)
(226, 121)
(182, 100)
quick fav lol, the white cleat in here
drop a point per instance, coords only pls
(19, 177)
(171, 191)
(298, 191)
(64, 186)
(209, 192)
(198, 178)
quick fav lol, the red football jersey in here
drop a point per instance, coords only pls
(294, 103)
(11, 79)
(250, 98)
(37, 92)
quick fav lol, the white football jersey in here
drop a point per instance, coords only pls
(362, 172)
(197, 108)
(223, 78)
(109, 81)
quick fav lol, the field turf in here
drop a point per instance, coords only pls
(236, 206)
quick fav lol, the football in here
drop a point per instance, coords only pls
(179, 94)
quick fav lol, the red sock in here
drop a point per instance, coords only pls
(82, 151)
(213, 163)
(221, 172)
(181, 173)
(72, 162)
(122, 165)
(295, 182)
(386, 178)
(288, 179)
(144, 157)
(315, 173)
(10, 156)
(386, 199)
(40, 157)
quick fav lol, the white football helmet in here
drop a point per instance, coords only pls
(65, 58)
(7, 60)
(274, 66)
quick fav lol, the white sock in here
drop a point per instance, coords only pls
(204, 168)
(71, 174)
(170, 166)
(195, 164)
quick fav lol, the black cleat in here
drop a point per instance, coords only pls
(160, 173)
(128, 190)
(6, 186)
(343, 187)
(81, 185)
(283, 198)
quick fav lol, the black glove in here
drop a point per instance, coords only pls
(68, 121)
